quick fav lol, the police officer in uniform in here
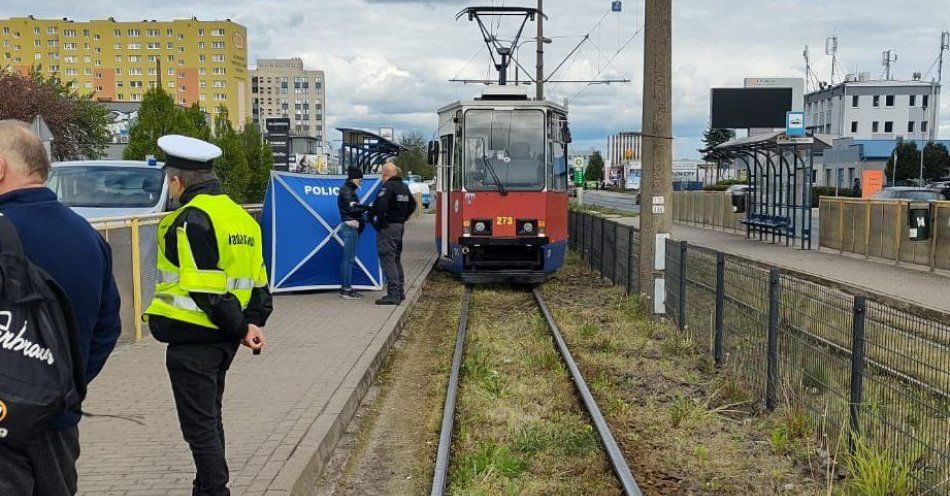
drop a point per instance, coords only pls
(211, 296)
(393, 206)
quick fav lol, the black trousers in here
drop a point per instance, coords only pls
(389, 247)
(47, 467)
(197, 373)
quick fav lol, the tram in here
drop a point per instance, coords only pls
(501, 186)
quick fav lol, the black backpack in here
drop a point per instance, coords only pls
(41, 375)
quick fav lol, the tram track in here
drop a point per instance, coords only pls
(444, 455)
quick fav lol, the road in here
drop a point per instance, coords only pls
(609, 199)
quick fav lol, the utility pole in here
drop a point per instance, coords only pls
(656, 188)
(831, 48)
(540, 65)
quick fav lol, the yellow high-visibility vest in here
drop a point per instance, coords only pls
(240, 265)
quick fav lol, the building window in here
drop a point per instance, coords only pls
(923, 126)
(889, 101)
(202, 71)
(117, 46)
(96, 37)
(69, 33)
(171, 58)
(877, 101)
(135, 71)
(218, 83)
(217, 32)
(87, 71)
(202, 84)
(854, 101)
(154, 45)
(217, 44)
(169, 45)
(218, 70)
(888, 126)
(154, 58)
(51, 43)
(152, 71)
(85, 46)
(875, 126)
(117, 32)
(70, 46)
(36, 43)
(181, 36)
(119, 84)
(118, 59)
(925, 100)
(53, 55)
(71, 59)
(201, 32)
(154, 32)
(913, 100)
(87, 85)
(201, 45)
(171, 72)
(201, 57)
(854, 126)
(6, 30)
(217, 58)
(135, 46)
(910, 127)
(182, 88)
(169, 32)
(50, 30)
(134, 58)
(135, 32)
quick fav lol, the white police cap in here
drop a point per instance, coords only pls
(183, 152)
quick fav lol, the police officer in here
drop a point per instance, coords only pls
(393, 206)
(211, 295)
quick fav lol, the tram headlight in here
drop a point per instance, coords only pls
(530, 227)
(481, 227)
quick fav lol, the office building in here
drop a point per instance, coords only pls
(283, 88)
(622, 163)
(203, 62)
(860, 108)
(849, 158)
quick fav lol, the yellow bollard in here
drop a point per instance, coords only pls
(136, 280)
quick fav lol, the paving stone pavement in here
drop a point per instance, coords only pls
(275, 404)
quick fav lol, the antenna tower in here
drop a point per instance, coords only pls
(807, 69)
(831, 48)
(944, 46)
(888, 57)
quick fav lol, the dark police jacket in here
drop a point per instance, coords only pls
(348, 202)
(224, 310)
(64, 245)
(394, 204)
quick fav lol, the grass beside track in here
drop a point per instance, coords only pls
(683, 428)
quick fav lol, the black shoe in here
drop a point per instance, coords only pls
(388, 300)
(350, 294)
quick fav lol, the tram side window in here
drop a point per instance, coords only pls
(558, 167)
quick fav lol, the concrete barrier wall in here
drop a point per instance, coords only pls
(706, 208)
(878, 229)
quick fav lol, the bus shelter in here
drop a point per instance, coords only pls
(780, 171)
(366, 150)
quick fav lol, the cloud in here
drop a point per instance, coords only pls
(388, 61)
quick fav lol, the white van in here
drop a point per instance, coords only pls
(110, 188)
(417, 185)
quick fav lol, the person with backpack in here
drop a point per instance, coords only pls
(211, 295)
(352, 220)
(60, 310)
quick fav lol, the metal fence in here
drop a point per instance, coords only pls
(134, 244)
(859, 362)
(609, 246)
(879, 229)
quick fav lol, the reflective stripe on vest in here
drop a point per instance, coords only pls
(239, 283)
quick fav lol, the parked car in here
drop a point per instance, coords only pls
(417, 185)
(110, 188)
(908, 193)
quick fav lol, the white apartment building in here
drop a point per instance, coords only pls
(283, 88)
(884, 109)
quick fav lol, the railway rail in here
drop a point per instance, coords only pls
(443, 456)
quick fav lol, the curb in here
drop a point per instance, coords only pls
(300, 473)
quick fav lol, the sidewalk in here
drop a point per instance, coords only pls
(284, 410)
(900, 281)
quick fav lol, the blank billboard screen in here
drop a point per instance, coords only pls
(742, 108)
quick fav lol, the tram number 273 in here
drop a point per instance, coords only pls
(504, 221)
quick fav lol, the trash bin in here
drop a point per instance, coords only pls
(919, 218)
(739, 201)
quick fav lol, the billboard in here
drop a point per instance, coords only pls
(796, 84)
(278, 135)
(744, 108)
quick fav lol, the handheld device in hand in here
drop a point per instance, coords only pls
(257, 341)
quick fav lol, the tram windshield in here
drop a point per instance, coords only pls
(504, 150)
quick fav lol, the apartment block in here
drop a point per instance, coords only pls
(283, 88)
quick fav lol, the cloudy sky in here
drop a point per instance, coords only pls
(388, 61)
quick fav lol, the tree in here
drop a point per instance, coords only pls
(712, 138)
(415, 156)
(231, 167)
(157, 117)
(595, 168)
(260, 160)
(908, 162)
(199, 119)
(936, 162)
(77, 122)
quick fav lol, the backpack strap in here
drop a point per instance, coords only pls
(9, 239)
